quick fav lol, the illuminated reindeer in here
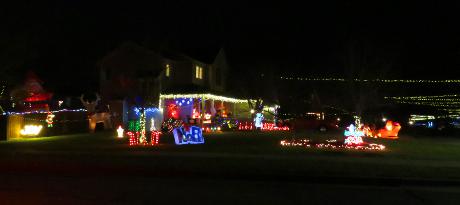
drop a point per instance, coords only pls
(96, 117)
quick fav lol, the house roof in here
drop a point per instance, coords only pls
(130, 55)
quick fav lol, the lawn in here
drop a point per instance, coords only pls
(242, 155)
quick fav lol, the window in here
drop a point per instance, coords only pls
(168, 67)
(198, 72)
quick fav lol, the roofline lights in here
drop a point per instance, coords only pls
(205, 96)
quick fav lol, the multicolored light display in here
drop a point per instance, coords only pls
(353, 136)
(266, 126)
(49, 119)
(390, 131)
(193, 136)
(353, 140)
(331, 144)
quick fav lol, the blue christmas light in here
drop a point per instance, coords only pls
(193, 136)
(146, 110)
(184, 101)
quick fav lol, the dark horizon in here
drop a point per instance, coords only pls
(419, 41)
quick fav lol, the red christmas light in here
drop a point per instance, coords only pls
(266, 126)
(155, 137)
(133, 138)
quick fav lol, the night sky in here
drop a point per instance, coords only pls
(419, 40)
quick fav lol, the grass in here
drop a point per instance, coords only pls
(235, 154)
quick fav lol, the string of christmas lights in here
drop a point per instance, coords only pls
(370, 80)
(154, 137)
(142, 139)
(266, 126)
(331, 144)
(133, 138)
(205, 96)
(43, 112)
(440, 101)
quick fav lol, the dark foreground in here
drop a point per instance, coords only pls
(232, 168)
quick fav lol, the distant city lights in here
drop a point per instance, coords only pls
(369, 80)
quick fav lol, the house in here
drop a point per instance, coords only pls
(180, 86)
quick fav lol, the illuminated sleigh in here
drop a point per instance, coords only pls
(390, 131)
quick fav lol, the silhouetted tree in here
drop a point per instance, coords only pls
(365, 61)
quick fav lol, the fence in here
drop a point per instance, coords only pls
(63, 123)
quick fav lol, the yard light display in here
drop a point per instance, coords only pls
(211, 129)
(353, 141)
(154, 137)
(193, 136)
(390, 131)
(207, 118)
(142, 138)
(152, 125)
(133, 138)
(353, 136)
(31, 130)
(120, 132)
(49, 119)
(266, 126)
(245, 126)
(258, 121)
(170, 124)
(331, 144)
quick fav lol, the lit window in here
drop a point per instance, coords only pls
(198, 72)
(168, 67)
